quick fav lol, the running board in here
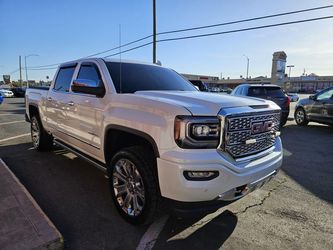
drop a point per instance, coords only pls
(89, 159)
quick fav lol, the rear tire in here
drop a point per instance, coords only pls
(134, 187)
(41, 140)
(300, 117)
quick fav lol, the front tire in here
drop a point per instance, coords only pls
(300, 117)
(134, 187)
(41, 140)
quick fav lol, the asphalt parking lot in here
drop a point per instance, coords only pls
(294, 210)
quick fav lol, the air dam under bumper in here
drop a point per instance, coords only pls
(235, 179)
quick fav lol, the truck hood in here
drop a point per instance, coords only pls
(201, 103)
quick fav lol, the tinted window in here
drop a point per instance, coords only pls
(64, 79)
(89, 72)
(234, 92)
(237, 90)
(135, 77)
(325, 95)
(266, 91)
(199, 84)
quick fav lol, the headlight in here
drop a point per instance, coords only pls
(197, 132)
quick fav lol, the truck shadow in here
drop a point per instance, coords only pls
(199, 233)
(76, 198)
(308, 158)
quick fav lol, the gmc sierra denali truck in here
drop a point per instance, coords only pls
(155, 135)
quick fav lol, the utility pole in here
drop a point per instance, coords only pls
(154, 31)
(20, 66)
(26, 70)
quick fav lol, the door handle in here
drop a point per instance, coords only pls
(71, 103)
(49, 99)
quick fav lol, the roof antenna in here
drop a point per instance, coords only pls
(120, 83)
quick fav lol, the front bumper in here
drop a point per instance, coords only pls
(235, 179)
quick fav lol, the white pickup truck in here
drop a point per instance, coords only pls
(156, 136)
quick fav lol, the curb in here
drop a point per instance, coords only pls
(23, 224)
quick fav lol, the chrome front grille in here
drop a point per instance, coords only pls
(244, 135)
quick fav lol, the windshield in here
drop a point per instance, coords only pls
(266, 91)
(136, 77)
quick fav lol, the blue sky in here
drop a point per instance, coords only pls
(64, 30)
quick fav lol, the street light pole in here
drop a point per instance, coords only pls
(26, 68)
(290, 66)
(20, 66)
(247, 67)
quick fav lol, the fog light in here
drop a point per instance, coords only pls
(200, 175)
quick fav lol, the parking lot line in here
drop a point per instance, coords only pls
(6, 123)
(13, 137)
(148, 240)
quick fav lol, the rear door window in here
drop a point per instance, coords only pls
(266, 91)
(64, 79)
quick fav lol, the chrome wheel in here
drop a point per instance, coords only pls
(35, 132)
(300, 116)
(128, 187)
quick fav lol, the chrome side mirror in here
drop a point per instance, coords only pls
(87, 86)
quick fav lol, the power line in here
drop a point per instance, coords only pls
(124, 51)
(225, 32)
(245, 29)
(201, 27)
(118, 47)
(244, 20)
(99, 53)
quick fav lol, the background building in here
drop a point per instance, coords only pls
(304, 84)
(309, 83)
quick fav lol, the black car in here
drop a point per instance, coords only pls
(317, 108)
(18, 91)
(200, 85)
(269, 92)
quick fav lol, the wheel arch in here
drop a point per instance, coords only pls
(33, 109)
(117, 137)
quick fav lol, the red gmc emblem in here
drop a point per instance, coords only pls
(261, 127)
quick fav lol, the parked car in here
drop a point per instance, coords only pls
(6, 93)
(226, 90)
(156, 136)
(200, 85)
(293, 97)
(18, 91)
(317, 108)
(1, 98)
(268, 92)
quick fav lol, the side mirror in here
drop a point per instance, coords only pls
(312, 97)
(87, 86)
